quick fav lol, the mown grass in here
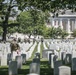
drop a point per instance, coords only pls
(3, 70)
(35, 50)
(45, 68)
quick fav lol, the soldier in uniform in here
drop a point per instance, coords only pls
(14, 47)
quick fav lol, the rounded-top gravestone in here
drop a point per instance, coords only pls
(32, 74)
(64, 70)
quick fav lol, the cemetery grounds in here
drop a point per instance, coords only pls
(45, 68)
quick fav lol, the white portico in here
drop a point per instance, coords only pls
(67, 21)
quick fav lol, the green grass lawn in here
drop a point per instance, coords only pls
(3, 70)
(45, 68)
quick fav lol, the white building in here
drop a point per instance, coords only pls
(66, 21)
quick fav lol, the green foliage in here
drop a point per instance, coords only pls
(52, 32)
(47, 15)
(74, 33)
(46, 4)
(25, 19)
(37, 16)
(29, 29)
(1, 31)
(40, 30)
(64, 34)
(55, 33)
(58, 31)
(7, 9)
(31, 21)
(12, 29)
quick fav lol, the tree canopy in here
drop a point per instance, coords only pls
(31, 22)
(8, 8)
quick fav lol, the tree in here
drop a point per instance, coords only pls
(7, 8)
(31, 22)
(40, 30)
(25, 20)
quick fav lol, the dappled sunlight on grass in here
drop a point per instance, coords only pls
(45, 68)
(3, 70)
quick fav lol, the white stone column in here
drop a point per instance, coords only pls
(61, 25)
(53, 22)
(72, 25)
(56, 23)
(75, 24)
(68, 26)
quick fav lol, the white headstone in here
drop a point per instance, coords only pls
(23, 58)
(35, 68)
(4, 60)
(19, 61)
(9, 57)
(37, 55)
(68, 59)
(32, 74)
(44, 54)
(56, 65)
(64, 70)
(63, 56)
(73, 64)
(50, 57)
(12, 70)
(14, 54)
(36, 60)
(53, 59)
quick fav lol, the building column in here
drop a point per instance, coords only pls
(57, 23)
(61, 25)
(53, 22)
(72, 25)
(75, 24)
(68, 26)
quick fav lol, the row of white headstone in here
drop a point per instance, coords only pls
(61, 51)
(17, 64)
(59, 69)
(5, 52)
(65, 55)
(34, 66)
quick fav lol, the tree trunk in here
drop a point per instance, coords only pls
(4, 33)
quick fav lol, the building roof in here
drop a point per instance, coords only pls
(66, 13)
